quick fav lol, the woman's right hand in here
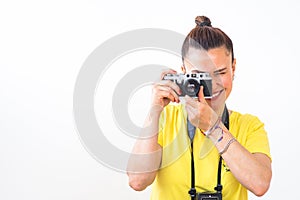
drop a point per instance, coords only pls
(164, 92)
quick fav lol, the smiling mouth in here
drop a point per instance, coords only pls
(217, 94)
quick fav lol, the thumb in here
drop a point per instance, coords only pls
(201, 97)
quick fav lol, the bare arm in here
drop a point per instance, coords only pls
(252, 170)
(146, 155)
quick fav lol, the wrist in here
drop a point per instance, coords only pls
(226, 146)
(215, 126)
(156, 110)
(216, 135)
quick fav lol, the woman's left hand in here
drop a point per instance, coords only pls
(200, 114)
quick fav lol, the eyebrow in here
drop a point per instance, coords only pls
(197, 71)
(220, 70)
(217, 71)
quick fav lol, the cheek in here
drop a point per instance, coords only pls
(227, 84)
(223, 81)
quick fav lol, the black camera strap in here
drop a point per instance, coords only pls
(191, 132)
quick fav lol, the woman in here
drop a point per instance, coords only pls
(179, 162)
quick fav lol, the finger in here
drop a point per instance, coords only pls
(193, 106)
(167, 92)
(191, 112)
(168, 95)
(171, 84)
(192, 116)
(191, 101)
(201, 97)
(170, 89)
(169, 71)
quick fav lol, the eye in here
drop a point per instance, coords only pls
(219, 73)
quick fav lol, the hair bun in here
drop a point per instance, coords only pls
(202, 21)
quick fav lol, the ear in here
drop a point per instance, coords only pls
(183, 69)
(233, 67)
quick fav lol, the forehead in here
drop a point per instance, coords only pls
(202, 60)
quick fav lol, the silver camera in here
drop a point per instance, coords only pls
(189, 84)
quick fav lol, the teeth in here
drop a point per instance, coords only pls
(216, 94)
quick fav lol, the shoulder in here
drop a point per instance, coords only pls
(245, 124)
(250, 132)
(239, 118)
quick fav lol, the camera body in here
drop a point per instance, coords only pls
(189, 84)
(211, 196)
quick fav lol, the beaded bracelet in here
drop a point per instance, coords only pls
(227, 145)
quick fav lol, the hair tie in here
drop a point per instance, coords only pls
(205, 23)
(202, 21)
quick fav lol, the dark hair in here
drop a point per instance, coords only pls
(206, 37)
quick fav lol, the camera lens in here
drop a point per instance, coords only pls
(192, 87)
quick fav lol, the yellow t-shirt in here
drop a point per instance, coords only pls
(173, 180)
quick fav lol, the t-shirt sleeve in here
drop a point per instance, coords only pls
(257, 139)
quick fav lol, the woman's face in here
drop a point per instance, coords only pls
(218, 63)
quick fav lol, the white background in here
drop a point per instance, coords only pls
(44, 43)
